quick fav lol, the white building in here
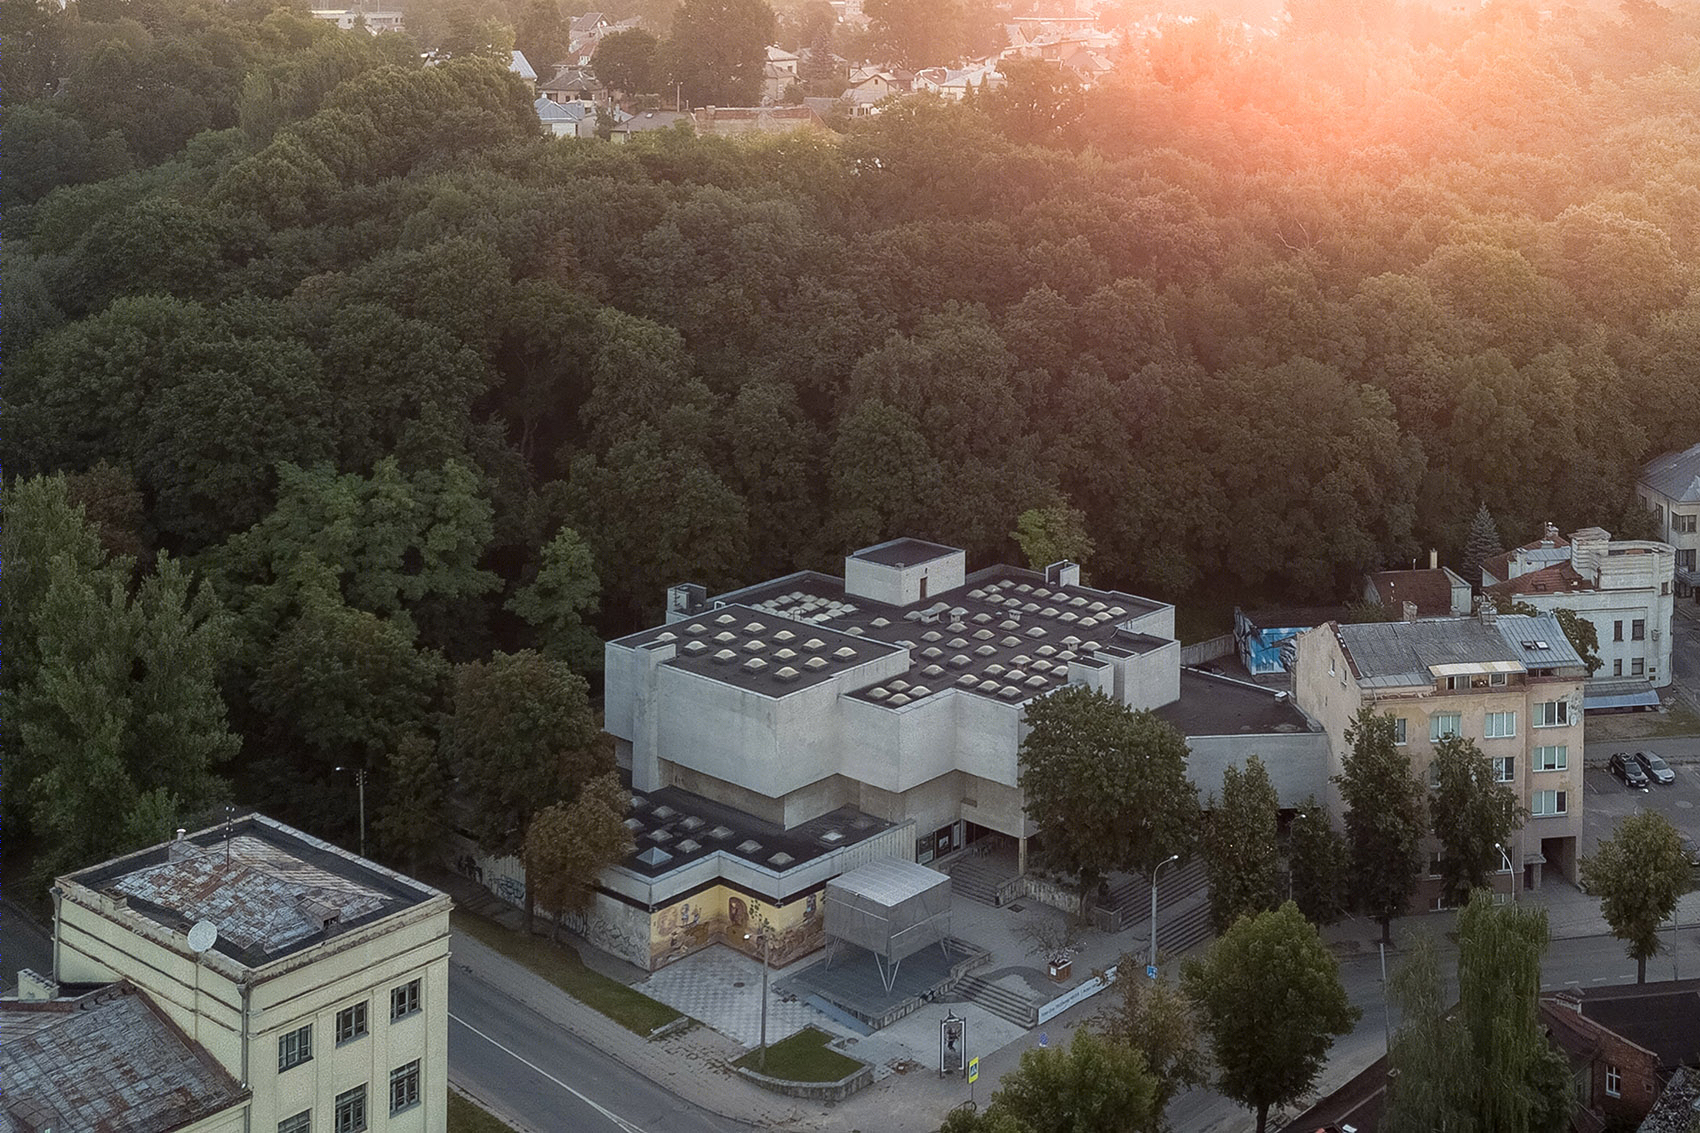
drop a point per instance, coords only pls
(373, 21)
(324, 990)
(1670, 486)
(1625, 587)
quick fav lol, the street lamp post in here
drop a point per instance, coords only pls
(762, 1061)
(1508, 869)
(360, 781)
(1299, 817)
(1159, 869)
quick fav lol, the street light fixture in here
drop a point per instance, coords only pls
(360, 780)
(1508, 869)
(1152, 962)
(1299, 817)
(761, 1062)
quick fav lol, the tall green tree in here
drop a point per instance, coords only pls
(1638, 874)
(1272, 1002)
(625, 61)
(1240, 852)
(1108, 785)
(1473, 816)
(1485, 1063)
(568, 844)
(1481, 544)
(1052, 534)
(1317, 860)
(412, 821)
(1384, 819)
(1093, 1085)
(559, 599)
(1583, 636)
(520, 737)
(718, 49)
(115, 727)
(1156, 1019)
(918, 33)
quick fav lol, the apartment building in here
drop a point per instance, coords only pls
(1511, 683)
(1625, 587)
(316, 979)
(1670, 486)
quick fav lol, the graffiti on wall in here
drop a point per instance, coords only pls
(1267, 650)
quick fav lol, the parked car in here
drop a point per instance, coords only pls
(1690, 849)
(1657, 769)
(1624, 767)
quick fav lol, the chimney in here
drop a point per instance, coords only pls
(1408, 612)
(1433, 560)
(180, 847)
(1551, 535)
(1486, 610)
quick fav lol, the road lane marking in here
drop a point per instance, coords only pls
(621, 1123)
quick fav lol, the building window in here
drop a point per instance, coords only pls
(1687, 524)
(1504, 768)
(1443, 724)
(1434, 863)
(1617, 630)
(351, 1110)
(1617, 666)
(1555, 757)
(1546, 804)
(1497, 679)
(294, 1048)
(1552, 714)
(404, 1087)
(1637, 666)
(1501, 725)
(1685, 559)
(300, 1123)
(1399, 730)
(350, 1023)
(1614, 1081)
(404, 1000)
(1638, 629)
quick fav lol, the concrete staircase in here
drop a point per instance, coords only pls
(978, 878)
(1180, 884)
(1000, 1001)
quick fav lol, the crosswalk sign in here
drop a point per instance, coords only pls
(973, 1070)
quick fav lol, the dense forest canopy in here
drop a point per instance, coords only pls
(350, 341)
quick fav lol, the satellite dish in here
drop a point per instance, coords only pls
(202, 936)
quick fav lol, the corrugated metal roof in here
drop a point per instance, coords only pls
(1675, 475)
(1407, 654)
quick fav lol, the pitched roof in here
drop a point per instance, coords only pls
(1406, 654)
(106, 1060)
(1675, 475)
(1560, 578)
(1431, 590)
(1661, 1017)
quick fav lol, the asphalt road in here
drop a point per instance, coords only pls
(531, 1070)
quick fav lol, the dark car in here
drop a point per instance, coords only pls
(1624, 767)
(1657, 769)
(1690, 849)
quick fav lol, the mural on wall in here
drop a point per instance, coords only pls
(720, 914)
(1265, 649)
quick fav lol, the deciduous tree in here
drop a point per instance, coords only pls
(568, 844)
(1473, 816)
(718, 49)
(1155, 1018)
(1638, 874)
(559, 599)
(1240, 853)
(1048, 535)
(1093, 1085)
(625, 61)
(1384, 819)
(411, 823)
(1272, 1002)
(1317, 860)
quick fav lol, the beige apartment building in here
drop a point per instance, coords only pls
(1511, 683)
(317, 979)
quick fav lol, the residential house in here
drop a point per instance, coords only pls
(1624, 587)
(1438, 592)
(521, 66)
(1511, 682)
(110, 1058)
(953, 83)
(315, 978)
(575, 119)
(1670, 486)
(648, 121)
(1625, 1043)
(778, 73)
(574, 84)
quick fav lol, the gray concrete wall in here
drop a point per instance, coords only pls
(1297, 762)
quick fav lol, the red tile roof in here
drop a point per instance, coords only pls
(1560, 578)
(1431, 590)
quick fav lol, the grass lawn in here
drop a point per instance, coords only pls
(1678, 721)
(561, 966)
(467, 1116)
(802, 1058)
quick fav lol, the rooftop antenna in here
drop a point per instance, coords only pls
(229, 816)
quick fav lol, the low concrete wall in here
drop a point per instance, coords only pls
(1297, 762)
(813, 1091)
(1201, 651)
(1050, 893)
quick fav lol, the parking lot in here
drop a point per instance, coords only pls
(1607, 799)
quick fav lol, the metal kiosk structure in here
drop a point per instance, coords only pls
(891, 907)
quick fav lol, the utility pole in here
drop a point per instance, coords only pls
(360, 783)
(1152, 962)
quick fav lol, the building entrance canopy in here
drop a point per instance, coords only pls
(891, 907)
